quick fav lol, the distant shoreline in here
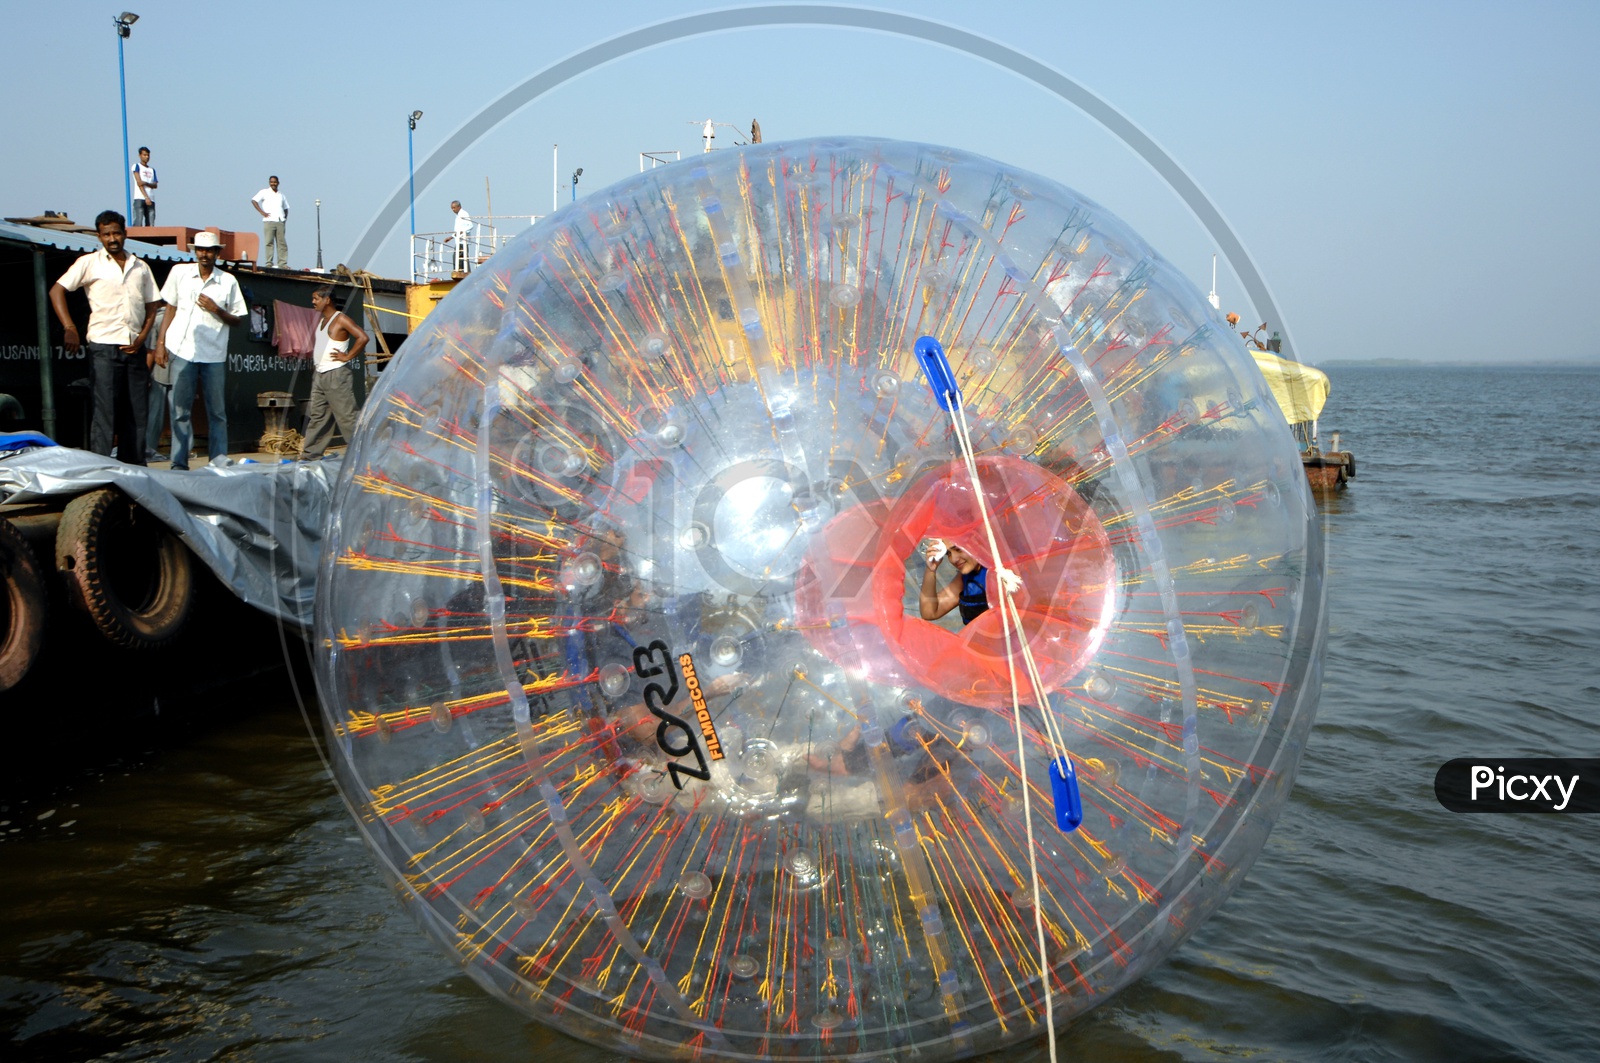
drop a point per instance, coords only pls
(1417, 363)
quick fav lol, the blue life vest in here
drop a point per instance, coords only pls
(974, 595)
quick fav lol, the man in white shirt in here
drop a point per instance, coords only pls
(144, 182)
(274, 210)
(122, 298)
(203, 302)
(461, 237)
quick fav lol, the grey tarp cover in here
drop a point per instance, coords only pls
(258, 527)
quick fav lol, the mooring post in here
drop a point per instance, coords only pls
(41, 305)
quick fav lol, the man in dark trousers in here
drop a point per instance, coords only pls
(122, 303)
(335, 356)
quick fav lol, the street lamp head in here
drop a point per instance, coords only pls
(129, 17)
(577, 174)
(415, 115)
(124, 23)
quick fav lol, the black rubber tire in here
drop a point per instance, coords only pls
(125, 569)
(23, 607)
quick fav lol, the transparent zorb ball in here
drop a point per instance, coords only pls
(622, 627)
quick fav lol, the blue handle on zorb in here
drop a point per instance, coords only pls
(936, 367)
(1064, 785)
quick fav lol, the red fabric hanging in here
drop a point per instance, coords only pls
(294, 329)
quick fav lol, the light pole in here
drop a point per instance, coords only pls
(411, 168)
(124, 23)
(575, 175)
(319, 234)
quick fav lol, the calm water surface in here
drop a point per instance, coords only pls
(193, 889)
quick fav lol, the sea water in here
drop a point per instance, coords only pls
(194, 889)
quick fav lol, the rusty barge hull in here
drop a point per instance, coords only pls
(1329, 470)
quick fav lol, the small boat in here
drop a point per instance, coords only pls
(1301, 392)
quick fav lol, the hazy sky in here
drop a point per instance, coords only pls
(1414, 180)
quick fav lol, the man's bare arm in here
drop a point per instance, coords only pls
(161, 337)
(352, 331)
(149, 321)
(934, 601)
(58, 300)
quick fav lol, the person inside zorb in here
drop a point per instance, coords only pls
(622, 647)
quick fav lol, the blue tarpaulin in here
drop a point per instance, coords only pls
(258, 527)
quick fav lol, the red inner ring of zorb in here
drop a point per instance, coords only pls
(851, 590)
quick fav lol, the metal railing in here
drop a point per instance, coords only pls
(443, 256)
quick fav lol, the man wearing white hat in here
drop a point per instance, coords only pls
(203, 303)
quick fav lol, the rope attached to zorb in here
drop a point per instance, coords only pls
(1063, 779)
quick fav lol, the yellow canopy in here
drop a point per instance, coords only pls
(1300, 390)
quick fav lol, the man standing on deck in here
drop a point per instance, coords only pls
(274, 210)
(461, 236)
(122, 298)
(202, 302)
(338, 349)
(144, 181)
